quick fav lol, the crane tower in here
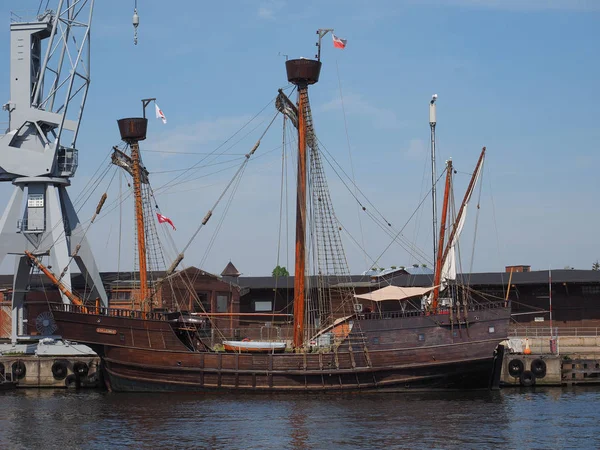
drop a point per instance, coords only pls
(49, 80)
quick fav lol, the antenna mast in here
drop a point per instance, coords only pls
(432, 123)
(136, 23)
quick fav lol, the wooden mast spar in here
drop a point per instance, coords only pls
(302, 73)
(443, 251)
(463, 205)
(440, 260)
(132, 131)
(300, 263)
(139, 217)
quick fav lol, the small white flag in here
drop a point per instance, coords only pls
(160, 114)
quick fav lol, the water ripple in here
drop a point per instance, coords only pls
(512, 418)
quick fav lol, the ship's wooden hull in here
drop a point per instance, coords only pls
(130, 370)
(388, 354)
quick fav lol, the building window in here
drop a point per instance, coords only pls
(121, 295)
(421, 337)
(491, 330)
(201, 303)
(263, 306)
(590, 289)
(222, 303)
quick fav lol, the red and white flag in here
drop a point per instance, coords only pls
(163, 219)
(160, 114)
(338, 42)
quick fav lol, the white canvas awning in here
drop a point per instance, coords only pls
(394, 293)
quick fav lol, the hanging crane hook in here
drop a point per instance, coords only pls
(136, 22)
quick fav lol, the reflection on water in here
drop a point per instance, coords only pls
(540, 418)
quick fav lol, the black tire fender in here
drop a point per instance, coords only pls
(19, 370)
(80, 368)
(71, 381)
(538, 367)
(515, 367)
(527, 379)
(59, 369)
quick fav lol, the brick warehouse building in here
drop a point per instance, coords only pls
(575, 295)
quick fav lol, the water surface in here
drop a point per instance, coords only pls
(512, 418)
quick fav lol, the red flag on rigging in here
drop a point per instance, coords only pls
(163, 219)
(338, 42)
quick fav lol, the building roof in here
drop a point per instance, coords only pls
(412, 270)
(230, 271)
(401, 279)
(473, 279)
(419, 270)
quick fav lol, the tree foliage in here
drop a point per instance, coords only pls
(280, 271)
(596, 265)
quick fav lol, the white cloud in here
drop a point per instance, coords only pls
(416, 149)
(266, 13)
(355, 104)
(268, 9)
(191, 137)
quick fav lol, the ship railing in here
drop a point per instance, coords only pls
(534, 332)
(255, 333)
(418, 312)
(112, 312)
(390, 314)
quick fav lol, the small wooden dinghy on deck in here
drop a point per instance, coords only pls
(248, 346)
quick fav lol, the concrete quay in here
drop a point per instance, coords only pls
(573, 357)
(50, 363)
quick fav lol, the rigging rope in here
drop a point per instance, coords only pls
(362, 236)
(496, 228)
(222, 218)
(383, 223)
(184, 169)
(231, 182)
(282, 196)
(476, 221)
(194, 166)
(120, 224)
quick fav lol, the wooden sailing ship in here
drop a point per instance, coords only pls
(452, 346)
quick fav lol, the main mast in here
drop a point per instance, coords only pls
(301, 72)
(132, 131)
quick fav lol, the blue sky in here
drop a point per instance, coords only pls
(517, 76)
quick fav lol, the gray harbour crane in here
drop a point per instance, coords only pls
(49, 81)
